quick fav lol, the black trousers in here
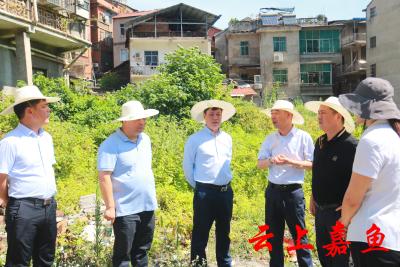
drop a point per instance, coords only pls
(389, 258)
(31, 232)
(324, 220)
(280, 206)
(211, 205)
(133, 237)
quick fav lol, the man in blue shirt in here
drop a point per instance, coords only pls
(286, 153)
(27, 182)
(206, 164)
(128, 187)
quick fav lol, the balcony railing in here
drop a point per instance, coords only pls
(359, 65)
(168, 34)
(68, 5)
(312, 21)
(355, 37)
(144, 70)
(53, 20)
(19, 8)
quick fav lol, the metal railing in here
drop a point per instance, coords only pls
(168, 34)
(312, 21)
(354, 67)
(19, 8)
(349, 38)
(144, 70)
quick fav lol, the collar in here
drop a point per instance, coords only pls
(292, 132)
(207, 130)
(125, 138)
(375, 125)
(323, 140)
(28, 131)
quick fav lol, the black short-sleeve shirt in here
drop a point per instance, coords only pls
(332, 167)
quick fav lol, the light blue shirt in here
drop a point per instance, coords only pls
(132, 177)
(297, 145)
(207, 158)
(27, 158)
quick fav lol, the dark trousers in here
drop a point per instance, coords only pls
(133, 237)
(324, 220)
(389, 258)
(211, 205)
(31, 232)
(280, 206)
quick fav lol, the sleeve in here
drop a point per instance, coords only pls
(308, 148)
(106, 157)
(7, 156)
(189, 157)
(52, 156)
(368, 160)
(265, 150)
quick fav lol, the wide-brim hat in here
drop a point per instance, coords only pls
(286, 106)
(333, 103)
(372, 99)
(197, 111)
(23, 94)
(133, 110)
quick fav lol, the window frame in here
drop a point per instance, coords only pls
(244, 48)
(280, 76)
(153, 55)
(279, 44)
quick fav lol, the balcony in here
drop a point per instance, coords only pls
(315, 89)
(168, 34)
(19, 8)
(355, 38)
(144, 70)
(68, 5)
(354, 68)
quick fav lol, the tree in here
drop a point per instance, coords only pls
(188, 76)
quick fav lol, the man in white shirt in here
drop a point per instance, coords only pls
(27, 182)
(206, 163)
(286, 153)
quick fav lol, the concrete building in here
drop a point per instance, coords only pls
(353, 68)
(299, 54)
(39, 36)
(383, 42)
(153, 35)
(101, 14)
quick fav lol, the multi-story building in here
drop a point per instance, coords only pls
(152, 35)
(38, 36)
(299, 54)
(353, 68)
(101, 14)
(383, 42)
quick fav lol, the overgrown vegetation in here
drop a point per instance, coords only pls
(82, 121)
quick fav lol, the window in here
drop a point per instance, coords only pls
(372, 42)
(372, 12)
(280, 75)
(319, 41)
(279, 44)
(151, 58)
(244, 48)
(373, 70)
(123, 55)
(122, 29)
(316, 74)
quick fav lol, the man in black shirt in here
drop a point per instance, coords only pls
(332, 167)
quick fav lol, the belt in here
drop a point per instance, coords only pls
(285, 187)
(221, 188)
(327, 206)
(36, 201)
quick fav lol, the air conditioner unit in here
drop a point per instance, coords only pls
(95, 65)
(278, 57)
(257, 79)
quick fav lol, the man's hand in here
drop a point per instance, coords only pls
(109, 214)
(281, 160)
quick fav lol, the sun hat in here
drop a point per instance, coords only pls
(23, 94)
(333, 103)
(372, 99)
(197, 111)
(133, 110)
(286, 106)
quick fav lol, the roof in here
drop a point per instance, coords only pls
(135, 14)
(189, 11)
(243, 91)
